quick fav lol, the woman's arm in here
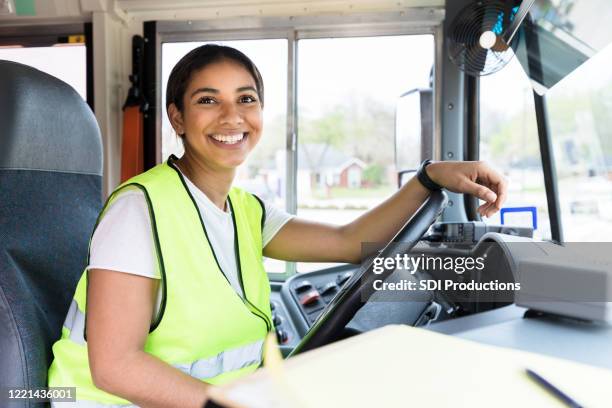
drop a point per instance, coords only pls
(119, 309)
(302, 240)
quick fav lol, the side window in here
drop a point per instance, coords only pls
(67, 62)
(509, 143)
(348, 89)
(581, 127)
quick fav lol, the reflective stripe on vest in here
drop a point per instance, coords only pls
(75, 322)
(229, 360)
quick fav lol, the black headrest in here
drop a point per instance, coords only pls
(45, 124)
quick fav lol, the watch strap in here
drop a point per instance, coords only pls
(212, 404)
(424, 179)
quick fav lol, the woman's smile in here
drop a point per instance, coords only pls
(229, 140)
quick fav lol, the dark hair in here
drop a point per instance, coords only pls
(199, 58)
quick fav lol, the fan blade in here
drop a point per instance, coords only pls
(522, 12)
(476, 58)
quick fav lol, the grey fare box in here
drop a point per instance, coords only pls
(526, 272)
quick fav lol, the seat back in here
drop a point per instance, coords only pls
(50, 185)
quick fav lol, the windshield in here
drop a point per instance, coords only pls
(581, 132)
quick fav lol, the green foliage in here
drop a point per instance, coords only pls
(351, 193)
(374, 174)
(362, 127)
(329, 129)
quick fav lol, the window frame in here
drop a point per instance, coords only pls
(412, 21)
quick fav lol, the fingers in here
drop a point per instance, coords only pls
(502, 193)
(487, 209)
(497, 184)
(477, 179)
(480, 191)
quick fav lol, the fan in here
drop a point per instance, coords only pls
(483, 35)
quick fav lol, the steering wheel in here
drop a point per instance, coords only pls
(355, 293)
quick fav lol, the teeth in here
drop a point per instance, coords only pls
(229, 139)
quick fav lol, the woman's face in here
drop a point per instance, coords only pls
(222, 115)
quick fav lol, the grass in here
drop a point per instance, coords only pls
(343, 192)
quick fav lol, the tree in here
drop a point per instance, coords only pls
(362, 128)
(374, 174)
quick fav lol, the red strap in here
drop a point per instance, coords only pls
(132, 161)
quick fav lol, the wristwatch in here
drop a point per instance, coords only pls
(424, 179)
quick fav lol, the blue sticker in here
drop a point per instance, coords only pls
(532, 210)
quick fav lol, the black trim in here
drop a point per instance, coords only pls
(149, 85)
(548, 168)
(472, 138)
(160, 259)
(135, 94)
(239, 266)
(544, 137)
(89, 65)
(263, 212)
(244, 299)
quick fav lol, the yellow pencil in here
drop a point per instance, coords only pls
(274, 364)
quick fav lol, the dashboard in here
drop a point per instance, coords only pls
(299, 301)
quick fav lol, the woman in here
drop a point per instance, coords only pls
(176, 294)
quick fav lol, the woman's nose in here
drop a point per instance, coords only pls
(230, 114)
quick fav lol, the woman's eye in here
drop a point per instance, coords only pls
(247, 99)
(206, 100)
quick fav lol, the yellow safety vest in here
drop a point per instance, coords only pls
(204, 327)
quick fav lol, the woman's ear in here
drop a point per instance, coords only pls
(176, 119)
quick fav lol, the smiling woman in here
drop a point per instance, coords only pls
(201, 226)
(176, 261)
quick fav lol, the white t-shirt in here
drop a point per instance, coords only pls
(123, 240)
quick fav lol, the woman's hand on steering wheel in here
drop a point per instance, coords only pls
(471, 177)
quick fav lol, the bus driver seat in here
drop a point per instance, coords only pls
(50, 180)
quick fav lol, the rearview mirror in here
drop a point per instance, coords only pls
(413, 132)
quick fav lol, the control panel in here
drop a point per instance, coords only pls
(286, 333)
(313, 292)
(470, 232)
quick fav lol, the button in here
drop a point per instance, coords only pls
(312, 316)
(314, 307)
(276, 319)
(309, 298)
(272, 305)
(341, 279)
(329, 288)
(303, 286)
(282, 336)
